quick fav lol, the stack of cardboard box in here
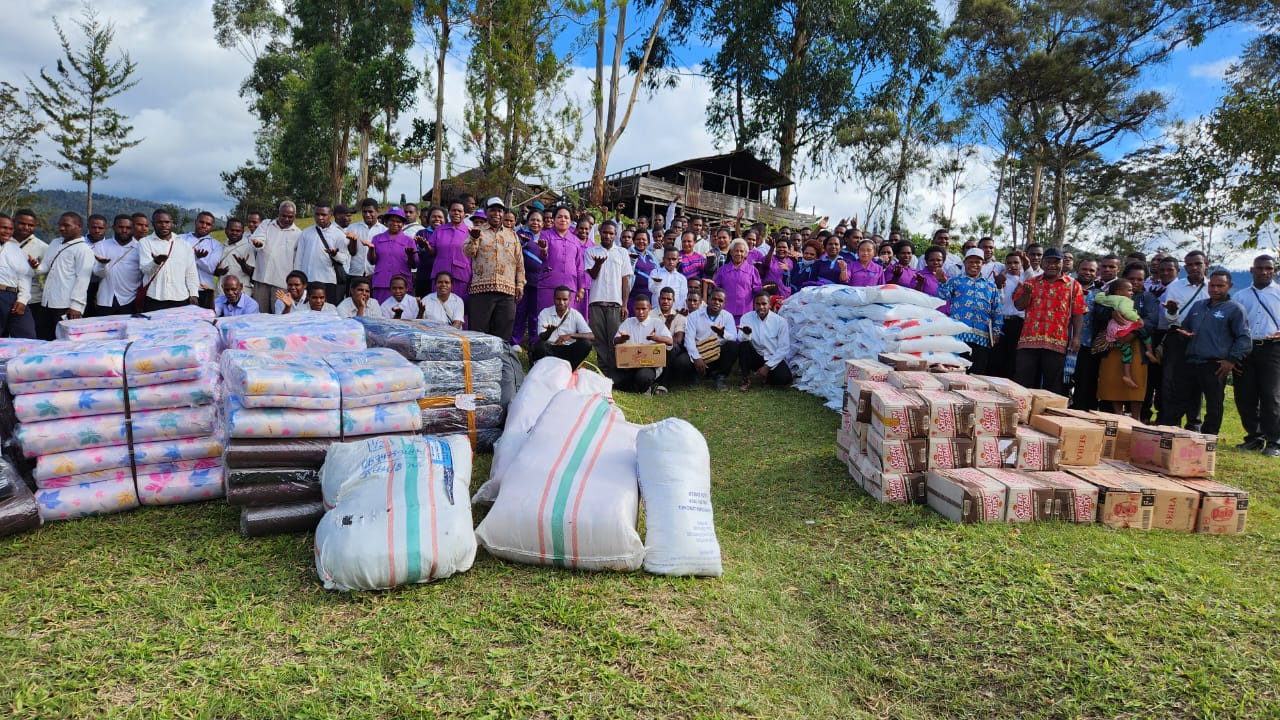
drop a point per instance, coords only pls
(985, 449)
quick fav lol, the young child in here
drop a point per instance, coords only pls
(401, 305)
(1125, 320)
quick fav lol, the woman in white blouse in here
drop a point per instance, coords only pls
(444, 307)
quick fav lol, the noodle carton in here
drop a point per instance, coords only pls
(898, 413)
(1028, 499)
(1013, 391)
(1035, 450)
(1172, 451)
(995, 452)
(897, 455)
(950, 453)
(1223, 508)
(950, 414)
(966, 495)
(993, 413)
(1074, 499)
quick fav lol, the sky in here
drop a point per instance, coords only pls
(194, 125)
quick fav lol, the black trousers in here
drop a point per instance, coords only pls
(1176, 387)
(980, 357)
(493, 313)
(574, 353)
(1155, 374)
(1257, 393)
(637, 380)
(723, 365)
(205, 299)
(679, 366)
(1041, 368)
(750, 361)
(15, 326)
(1088, 365)
(47, 321)
(1001, 362)
(1204, 382)
(151, 304)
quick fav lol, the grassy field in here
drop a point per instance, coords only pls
(831, 606)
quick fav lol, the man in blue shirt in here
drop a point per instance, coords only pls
(233, 302)
(975, 301)
(1257, 382)
(1217, 343)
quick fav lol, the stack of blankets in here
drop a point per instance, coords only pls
(301, 333)
(462, 371)
(145, 427)
(116, 327)
(285, 409)
(9, 449)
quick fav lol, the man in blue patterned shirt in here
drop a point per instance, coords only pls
(975, 301)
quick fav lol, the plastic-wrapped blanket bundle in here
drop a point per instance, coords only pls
(275, 483)
(280, 395)
(302, 333)
(9, 448)
(380, 391)
(399, 513)
(120, 327)
(18, 510)
(834, 323)
(462, 373)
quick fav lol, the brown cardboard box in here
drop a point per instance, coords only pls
(1036, 451)
(897, 455)
(1124, 467)
(902, 361)
(898, 413)
(1176, 505)
(1172, 451)
(1042, 400)
(857, 397)
(949, 453)
(950, 414)
(865, 370)
(915, 380)
(1074, 499)
(640, 355)
(1027, 499)
(962, 381)
(844, 440)
(1223, 509)
(1117, 429)
(995, 452)
(1079, 441)
(1013, 391)
(1124, 500)
(884, 487)
(966, 495)
(993, 413)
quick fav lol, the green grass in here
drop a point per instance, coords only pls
(831, 606)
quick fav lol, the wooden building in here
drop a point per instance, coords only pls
(714, 188)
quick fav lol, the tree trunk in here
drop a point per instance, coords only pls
(363, 184)
(995, 211)
(1059, 206)
(786, 159)
(88, 206)
(439, 139)
(1035, 202)
(900, 177)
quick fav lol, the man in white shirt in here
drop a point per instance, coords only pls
(1257, 383)
(562, 331)
(679, 366)
(233, 302)
(991, 267)
(764, 343)
(237, 257)
(611, 274)
(361, 302)
(66, 268)
(640, 329)
(358, 234)
(668, 275)
(715, 331)
(1177, 299)
(208, 252)
(274, 245)
(24, 232)
(15, 285)
(119, 276)
(319, 247)
(168, 267)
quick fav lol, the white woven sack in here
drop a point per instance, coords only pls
(675, 484)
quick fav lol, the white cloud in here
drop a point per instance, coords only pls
(1215, 70)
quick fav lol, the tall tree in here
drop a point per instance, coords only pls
(19, 162)
(89, 133)
(1246, 128)
(824, 61)
(1075, 68)
(441, 18)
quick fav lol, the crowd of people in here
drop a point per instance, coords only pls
(1131, 335)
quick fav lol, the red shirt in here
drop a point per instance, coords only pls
(1048, 317)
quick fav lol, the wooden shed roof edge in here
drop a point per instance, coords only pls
(758, 170)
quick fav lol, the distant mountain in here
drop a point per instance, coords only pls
(49, 204)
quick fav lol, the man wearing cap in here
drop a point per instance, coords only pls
(274, 245)
(497, 274)
(1054, 308)
(975, 301)
(320, 247)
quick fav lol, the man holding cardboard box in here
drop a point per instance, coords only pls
(638, 370)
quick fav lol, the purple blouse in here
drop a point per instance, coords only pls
(739, 283)
(860, 276)
(392, 260)
(562, 261)
(447, 242)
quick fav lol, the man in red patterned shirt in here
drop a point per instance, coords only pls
(1054, 307)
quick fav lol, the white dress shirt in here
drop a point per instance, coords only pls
(305, 309)
(347, 308)
(34, 247)
(15, 271)
(573, 322)
(67, 267)
(177, 278)
(1261, 309)
(447, 313)
(311, 257)
(408, 307)
(638, 332)
(207, 264)
(245, 251)
(1186, 295)
(991, 269)
(120, 276)
(607, 286)
(1007, 308)
(771, 337)
(699, 328)
(679, 284)
(360, 266)
(274, 260)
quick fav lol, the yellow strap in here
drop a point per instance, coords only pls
(466, 383)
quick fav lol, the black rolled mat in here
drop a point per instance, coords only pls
(246, 477)
(280, 519)
(306, 453)
(281, 493)
(19, 513)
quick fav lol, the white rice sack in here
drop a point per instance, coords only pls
(896, 294)
(943, 358)
(937, 324)
(675, 484)
(932, 343)
(401, 516)
(573, 498)
(894, 312)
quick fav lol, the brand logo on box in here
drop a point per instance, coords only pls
(1222, 513)
(1022, 506)
(991, 506)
